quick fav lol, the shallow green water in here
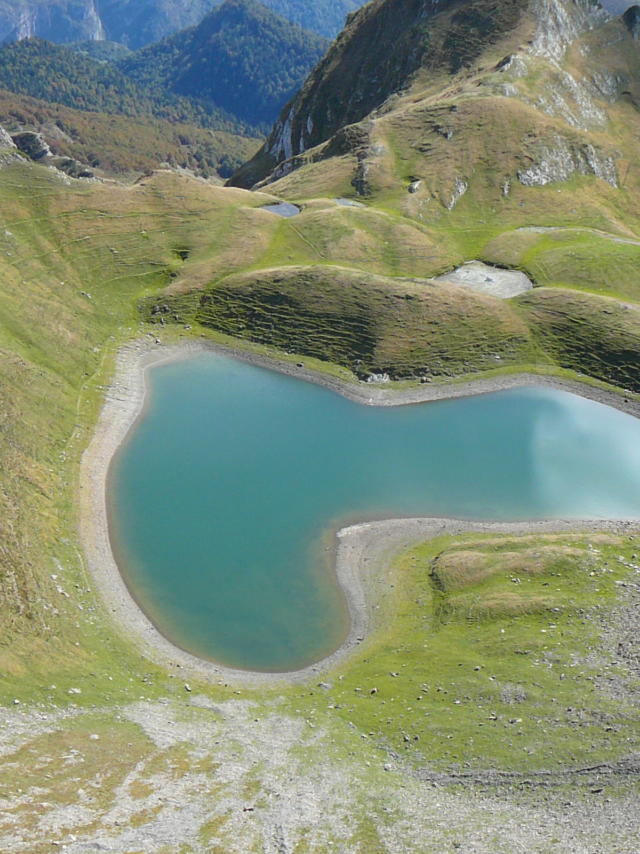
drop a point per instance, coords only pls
(222, 500)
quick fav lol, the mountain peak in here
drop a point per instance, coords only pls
(391, 46)
(242, 57)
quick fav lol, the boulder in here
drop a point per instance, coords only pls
(32, 144)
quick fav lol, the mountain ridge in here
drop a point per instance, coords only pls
(232, 72)
(136, 23)
(452, 43)
(241, 58)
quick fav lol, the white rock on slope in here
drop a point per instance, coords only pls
(560, 160)
(560, 23)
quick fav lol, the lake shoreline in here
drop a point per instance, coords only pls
(384, 394)
(363, 550)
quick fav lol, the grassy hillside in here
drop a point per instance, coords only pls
(368, 324)
(480, 667)
(75, 259)
(414, 330)
(471, 142)
(353, 80)
(576, 257)
(121, 146)
(592, 335)
(80, 258)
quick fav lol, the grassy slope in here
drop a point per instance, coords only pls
(406, 328)
(124, 146)
(75, 260)
(366, 323)
(443, 132)
(485, 655)
(118, 244)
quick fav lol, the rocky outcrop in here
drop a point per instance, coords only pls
(631, 19)
(8, 151)
(59, 20)
(560, 23)
(559, 160)
(70, 166)
(5, 140)
(32, 144)
(36, 148)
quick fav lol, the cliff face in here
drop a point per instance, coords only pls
(136, 23)
(70, 20)
(389, 44)
(130, 22)
(5, 139)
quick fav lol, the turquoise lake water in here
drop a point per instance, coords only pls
(224, 499)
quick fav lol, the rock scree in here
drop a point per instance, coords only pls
(485, 279)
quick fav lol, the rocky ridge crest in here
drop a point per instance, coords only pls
(544, 55)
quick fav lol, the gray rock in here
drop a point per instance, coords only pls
(5, 139)
(32, 144)
(559, 160)
(631, 19)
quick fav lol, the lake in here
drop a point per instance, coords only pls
(225, 498)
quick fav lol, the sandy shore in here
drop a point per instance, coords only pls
(363, 551)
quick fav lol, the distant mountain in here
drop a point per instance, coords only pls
(130, 22)
(616, 7)
(326, 17)
(136, 23)
(242, 58)
(232, 72)
(59, 75)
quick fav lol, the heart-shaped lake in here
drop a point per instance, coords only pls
(224, 499)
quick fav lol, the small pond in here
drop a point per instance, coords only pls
(285, 209)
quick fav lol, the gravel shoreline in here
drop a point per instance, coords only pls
(363, 551)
